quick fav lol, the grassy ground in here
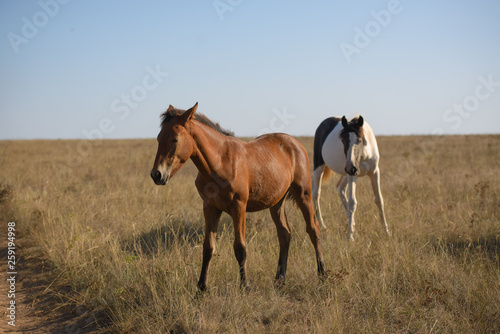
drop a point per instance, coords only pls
(132, 250)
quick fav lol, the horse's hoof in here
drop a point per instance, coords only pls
(323, 277)
(201, 287)
(279, 282)
(199, 294)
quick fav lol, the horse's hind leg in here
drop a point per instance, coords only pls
(303, 198)
(379, 200)
(284, 235)
(316, 187)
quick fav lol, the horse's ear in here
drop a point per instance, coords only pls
(344, 122)
(188, 114)
(361, 121)
(170, 108)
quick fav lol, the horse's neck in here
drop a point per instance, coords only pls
(205, 155)
(371, 149)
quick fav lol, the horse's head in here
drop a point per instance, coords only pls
(175, 144)
(353, 138)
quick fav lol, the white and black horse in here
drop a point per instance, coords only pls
(349, 149)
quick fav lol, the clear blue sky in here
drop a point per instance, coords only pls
(71, 69)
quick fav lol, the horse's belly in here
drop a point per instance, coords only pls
(253, 206)
(266, 193)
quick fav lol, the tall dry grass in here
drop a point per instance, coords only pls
(133, 250)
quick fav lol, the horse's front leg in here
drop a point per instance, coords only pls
(342, 191)
(351, 206)
(240, 250)
(212, 217)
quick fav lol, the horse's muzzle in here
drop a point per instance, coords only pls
(353, 171)
(158, 178)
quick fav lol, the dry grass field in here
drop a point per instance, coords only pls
(131, 251)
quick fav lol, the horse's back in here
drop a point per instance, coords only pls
(279, 141)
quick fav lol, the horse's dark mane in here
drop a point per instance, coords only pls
(352, 126)
(172, 112)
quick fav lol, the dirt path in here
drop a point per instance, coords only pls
(42, 304)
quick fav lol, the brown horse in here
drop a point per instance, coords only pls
(238, 177)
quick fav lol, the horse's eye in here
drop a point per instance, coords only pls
(175, 140)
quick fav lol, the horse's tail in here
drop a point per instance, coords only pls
(327, 174)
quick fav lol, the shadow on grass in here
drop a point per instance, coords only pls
(175, 234)
(459, 247)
